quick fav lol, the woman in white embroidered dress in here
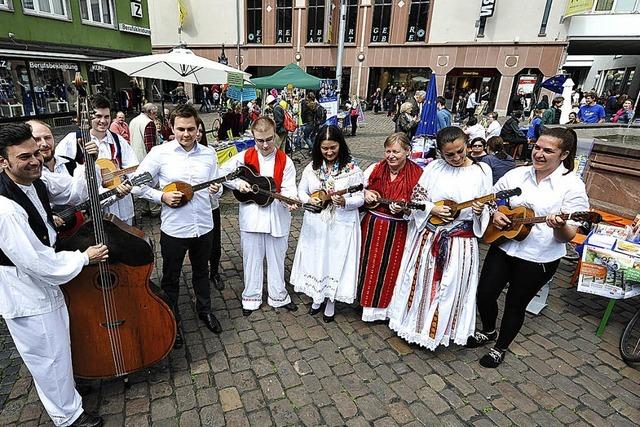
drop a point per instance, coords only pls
(326, 261)
(434, 298)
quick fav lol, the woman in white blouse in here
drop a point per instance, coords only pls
(326, 261)
(549, 187)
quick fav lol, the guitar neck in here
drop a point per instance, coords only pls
(109, 176)
(280, 197)
(85, 205)
(483, 199)
(199, 187)
(537, 219)
(410, 205)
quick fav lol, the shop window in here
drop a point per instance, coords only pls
(6, 5)
(604, 5)
(254, 21)
(352, 21)
(418, 16)
(53, 88)
(284, 14)
(315, 21)
(97, 11)
(100, 80)
(15, 89)
(47, 8)
(625, 6)
(381, 27)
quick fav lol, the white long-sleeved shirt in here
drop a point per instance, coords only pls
(31, 286)
(170, 162)
(554, 194)
(493, 129)
(274, 219)
(122, 208)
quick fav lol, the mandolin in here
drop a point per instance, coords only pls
(187, 190)
(456, 208)
(73, 216)
(263, 191)
(383, 201)
(325, 197)
(111, 174)
(522, 220)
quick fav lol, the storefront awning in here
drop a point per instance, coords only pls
(32, 54)
(578, 61)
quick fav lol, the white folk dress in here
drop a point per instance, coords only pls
(432, 312)
(328, 252)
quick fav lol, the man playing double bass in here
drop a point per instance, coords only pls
(31, 271)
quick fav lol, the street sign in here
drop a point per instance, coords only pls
(487, 8)
(127, 28)
(136, 9)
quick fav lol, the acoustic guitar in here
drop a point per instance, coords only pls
(187, 190)
(523, 219)
(111, 174)
(456, 208)
(326, 197)
(383, 201)
(263, 191)
(73, 216)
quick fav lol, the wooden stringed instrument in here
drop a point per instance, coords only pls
(73, 216)
(117, 324)
(325, 197)
(263, 191)
(456, 208)
(523, 219)
(111, 174)
(187, 190)
(383, 201)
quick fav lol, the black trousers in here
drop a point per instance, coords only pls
(173, 250)
(354, 125)
(525, 279)
(216, 250)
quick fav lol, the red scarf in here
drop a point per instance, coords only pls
(401, 188)
(251, 159)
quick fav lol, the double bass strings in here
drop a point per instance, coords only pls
(110, 307)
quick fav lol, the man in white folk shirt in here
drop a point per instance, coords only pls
(190, 227)
(111, 146)
(31, 271)
(264, 231)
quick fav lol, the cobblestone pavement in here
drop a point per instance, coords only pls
(279, 368)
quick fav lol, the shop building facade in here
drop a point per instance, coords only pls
(44, 43)
(465, 43)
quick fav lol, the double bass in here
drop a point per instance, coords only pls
(118, 325)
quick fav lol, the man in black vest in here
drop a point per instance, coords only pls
(31, 271)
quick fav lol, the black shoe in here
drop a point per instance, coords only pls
(217, 282)
(211, 322)
(291, 306)
(314, 311)
(87, 420)
(493, 359)
(179, 342)
(246, 312)
(328, 319)
(480, 338)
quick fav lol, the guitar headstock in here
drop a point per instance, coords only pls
(356, 188)
(141, 179)
(505, 194)
(588, 216)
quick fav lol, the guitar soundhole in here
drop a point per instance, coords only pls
(107, 281)
(255, 188)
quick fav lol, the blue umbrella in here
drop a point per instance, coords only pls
(428, 124)
(554, 84)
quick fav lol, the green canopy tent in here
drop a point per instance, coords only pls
(289, 75)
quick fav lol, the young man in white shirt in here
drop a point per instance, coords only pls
(188, 228)
(110, 145)
(31, 272)
(264, 231)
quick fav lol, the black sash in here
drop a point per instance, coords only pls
(10, 190)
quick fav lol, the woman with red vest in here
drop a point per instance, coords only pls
(264, 230)
(384, 228)
(326, 262)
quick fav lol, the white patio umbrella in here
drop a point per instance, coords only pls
(567, 107)
(181, 64)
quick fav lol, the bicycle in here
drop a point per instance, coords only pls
(630, 340)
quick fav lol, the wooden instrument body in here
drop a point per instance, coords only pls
(111, 174)
(184, 188)
(455, 212)
(517, 232)
(265, 183)
(142, 321)
(325, 198)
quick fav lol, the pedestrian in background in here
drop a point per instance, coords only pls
(120, 126)
(443, 115)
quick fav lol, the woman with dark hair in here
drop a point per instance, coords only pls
(325, 266)
(548, 188)
(384, 228)
(478, 147)
(434, 299)
(497, 159)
